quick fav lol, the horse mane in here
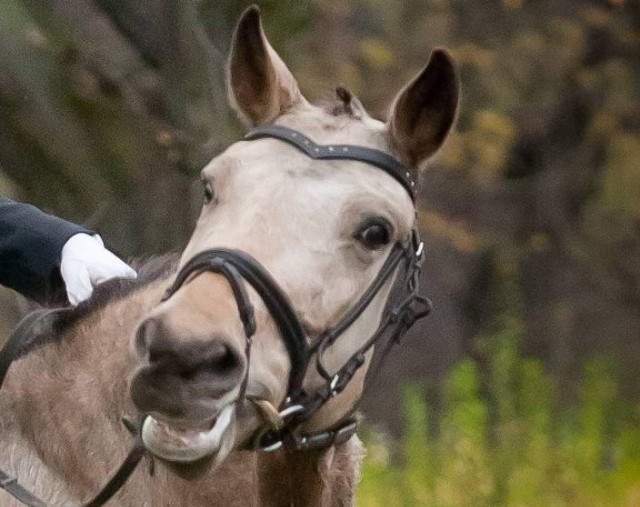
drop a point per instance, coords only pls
(150, 269)
(43, 325)
(344, 103)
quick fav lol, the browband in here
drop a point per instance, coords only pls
(371, 156)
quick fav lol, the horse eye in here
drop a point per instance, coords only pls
(208, 192)
(375, 234)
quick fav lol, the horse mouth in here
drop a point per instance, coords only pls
(186, 445)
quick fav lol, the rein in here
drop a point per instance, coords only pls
(238, 267)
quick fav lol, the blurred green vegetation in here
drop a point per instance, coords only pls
(513, 445)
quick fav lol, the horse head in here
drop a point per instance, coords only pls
(320, 229)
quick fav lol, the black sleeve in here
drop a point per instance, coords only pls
(30, 248)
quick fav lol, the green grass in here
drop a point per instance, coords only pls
(511, 443)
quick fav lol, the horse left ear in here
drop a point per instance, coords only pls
(424, 111)
(260, 85)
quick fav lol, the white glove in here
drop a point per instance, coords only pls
(85, 263)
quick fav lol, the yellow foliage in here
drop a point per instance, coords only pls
(376, 53)
(530, 42)
(539, 241)
(349, 76)
(457, 233)
(489, 142)
(512, 4)
(494, 123)
(569, 37)
(633, 497)
(621, 179)
(7, 187)
(484, 148)
(466, 478)
(452, 154)
(472, 54)
(595, 16)
(604, 124)
(534, 456)
(627, 37)
(620, 79)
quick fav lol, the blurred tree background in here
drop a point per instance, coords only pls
(526, 376)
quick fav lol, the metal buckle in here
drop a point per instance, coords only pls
(334, 383)
(283, 415)
(293, 409)
(273, 447)
(413, 308)
(345, 433)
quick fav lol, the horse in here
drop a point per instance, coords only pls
(305, 227)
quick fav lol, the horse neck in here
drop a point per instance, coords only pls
(324, 478)
(90, 364)
(63, 402)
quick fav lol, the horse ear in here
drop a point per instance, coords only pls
(423, 112)
(259, 84)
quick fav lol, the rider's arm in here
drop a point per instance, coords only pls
(33, 245)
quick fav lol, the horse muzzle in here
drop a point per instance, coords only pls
(188, 389)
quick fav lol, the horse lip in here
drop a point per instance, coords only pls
(177, 444)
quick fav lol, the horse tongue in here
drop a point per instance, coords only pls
(186, 431)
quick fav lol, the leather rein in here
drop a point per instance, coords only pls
(238, 267)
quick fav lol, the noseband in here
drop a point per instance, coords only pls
(300, 405)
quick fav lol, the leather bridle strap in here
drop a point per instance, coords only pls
(329, 336)
(31, 332)
(299, 405)
(396, 321)
(273, 296)
(13, 487)
(315, 151)
(121, 475)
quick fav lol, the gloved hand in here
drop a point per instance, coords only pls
(85, 263)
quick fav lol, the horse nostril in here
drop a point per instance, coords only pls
(183, 368)
(190, 359)
(218, 361)
(145, 331)
(158, 343)
(223, 358)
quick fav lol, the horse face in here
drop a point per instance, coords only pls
(323, 229)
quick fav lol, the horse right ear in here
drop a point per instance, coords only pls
(259, 84)
(425, 110)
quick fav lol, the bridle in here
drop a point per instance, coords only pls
(238, 267)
